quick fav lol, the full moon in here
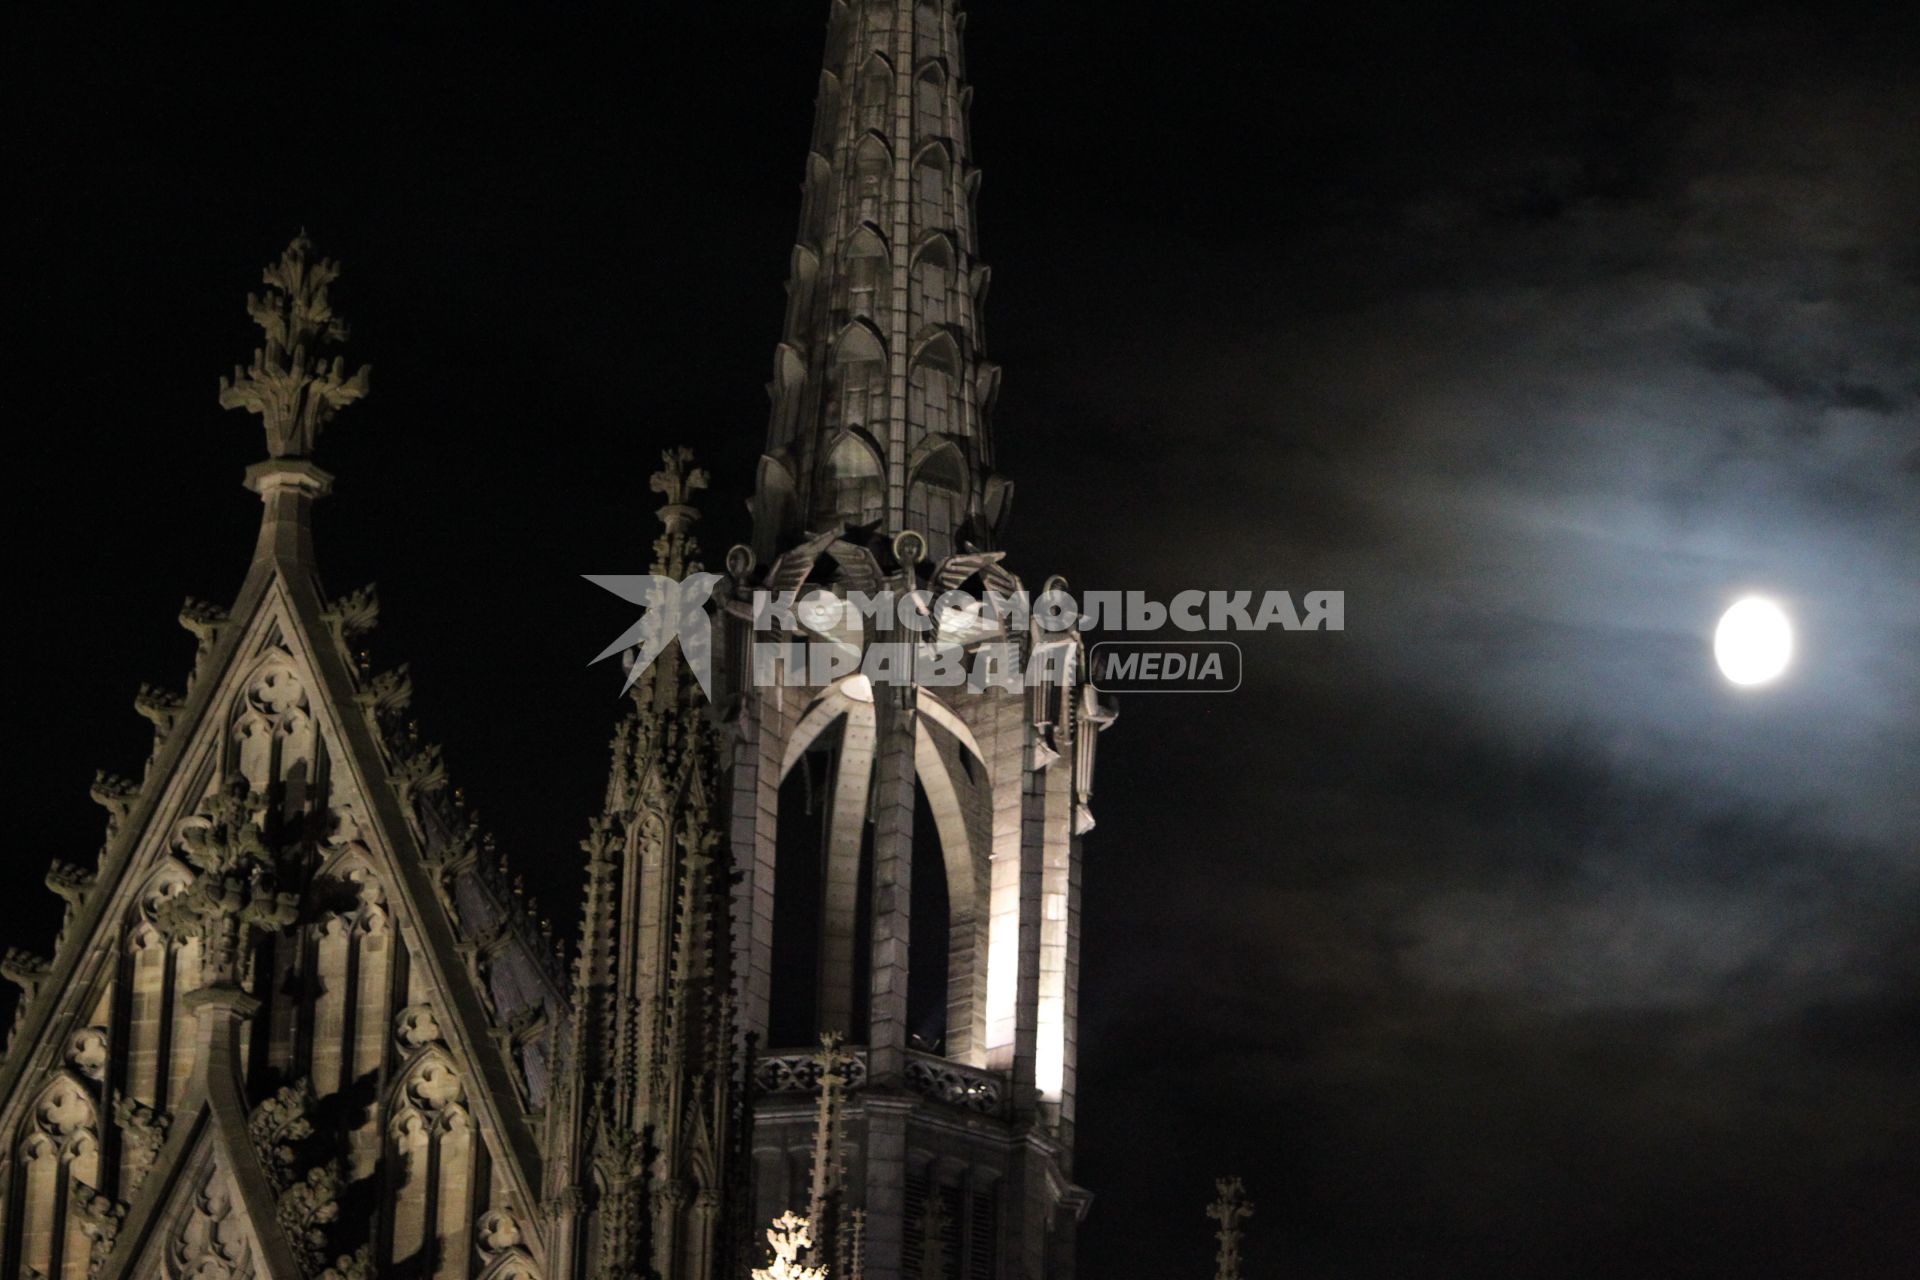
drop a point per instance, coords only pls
(1753, 642)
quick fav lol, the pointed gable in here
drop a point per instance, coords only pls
(288, 874)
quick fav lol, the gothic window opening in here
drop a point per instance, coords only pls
(799, 874)
(855, 489)
(868, 270)
(928, 936)
(434, 1171)
(937, 493)
(931, 170)
(876, 94)
(932, 280)
(951, 1231)
(932, 388)
(872, 168)
(56, 1156)
(857, 379)
(930, 101)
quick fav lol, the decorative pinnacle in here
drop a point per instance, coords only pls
(295, 390)
(677, 481)
(1230, 1208)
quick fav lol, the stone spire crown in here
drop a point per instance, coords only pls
(881, 393)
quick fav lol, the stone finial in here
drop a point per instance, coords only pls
(1230, 1208)
(677, 481)
(294, 388)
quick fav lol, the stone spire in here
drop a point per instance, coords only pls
(881, 394)
(656, 1103)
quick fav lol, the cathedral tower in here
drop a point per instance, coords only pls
(881, 393)
(908, 854)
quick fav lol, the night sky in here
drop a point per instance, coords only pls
(1497, 936)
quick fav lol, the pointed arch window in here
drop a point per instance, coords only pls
(937, 491)
(867, 270)
(56, 1156)
(856, 488)
(857, 377)
(933, 385)
(876, 93)
(433, 1167)
(872, 167)
(932, 279)
(932, 169)
(930, 101)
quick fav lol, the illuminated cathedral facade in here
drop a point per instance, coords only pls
(300, 1023)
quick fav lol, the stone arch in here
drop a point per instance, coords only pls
(938, 350)
(352, 965)
(950, 771)
(931, 277)
(934, 382)
(872, 174)
(937, 248)
(867, 262)
(873, 92)
(274, 742)
(930, 98)
(823, 854)
(57, 1146)
(939, 485)
(939, 463)
(857, 386)
(432, 1163)
(932, 181)
(853, 482)
(948, 795)
(857, 343)
(158, 968)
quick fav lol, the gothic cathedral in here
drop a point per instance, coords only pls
(820, 1015)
